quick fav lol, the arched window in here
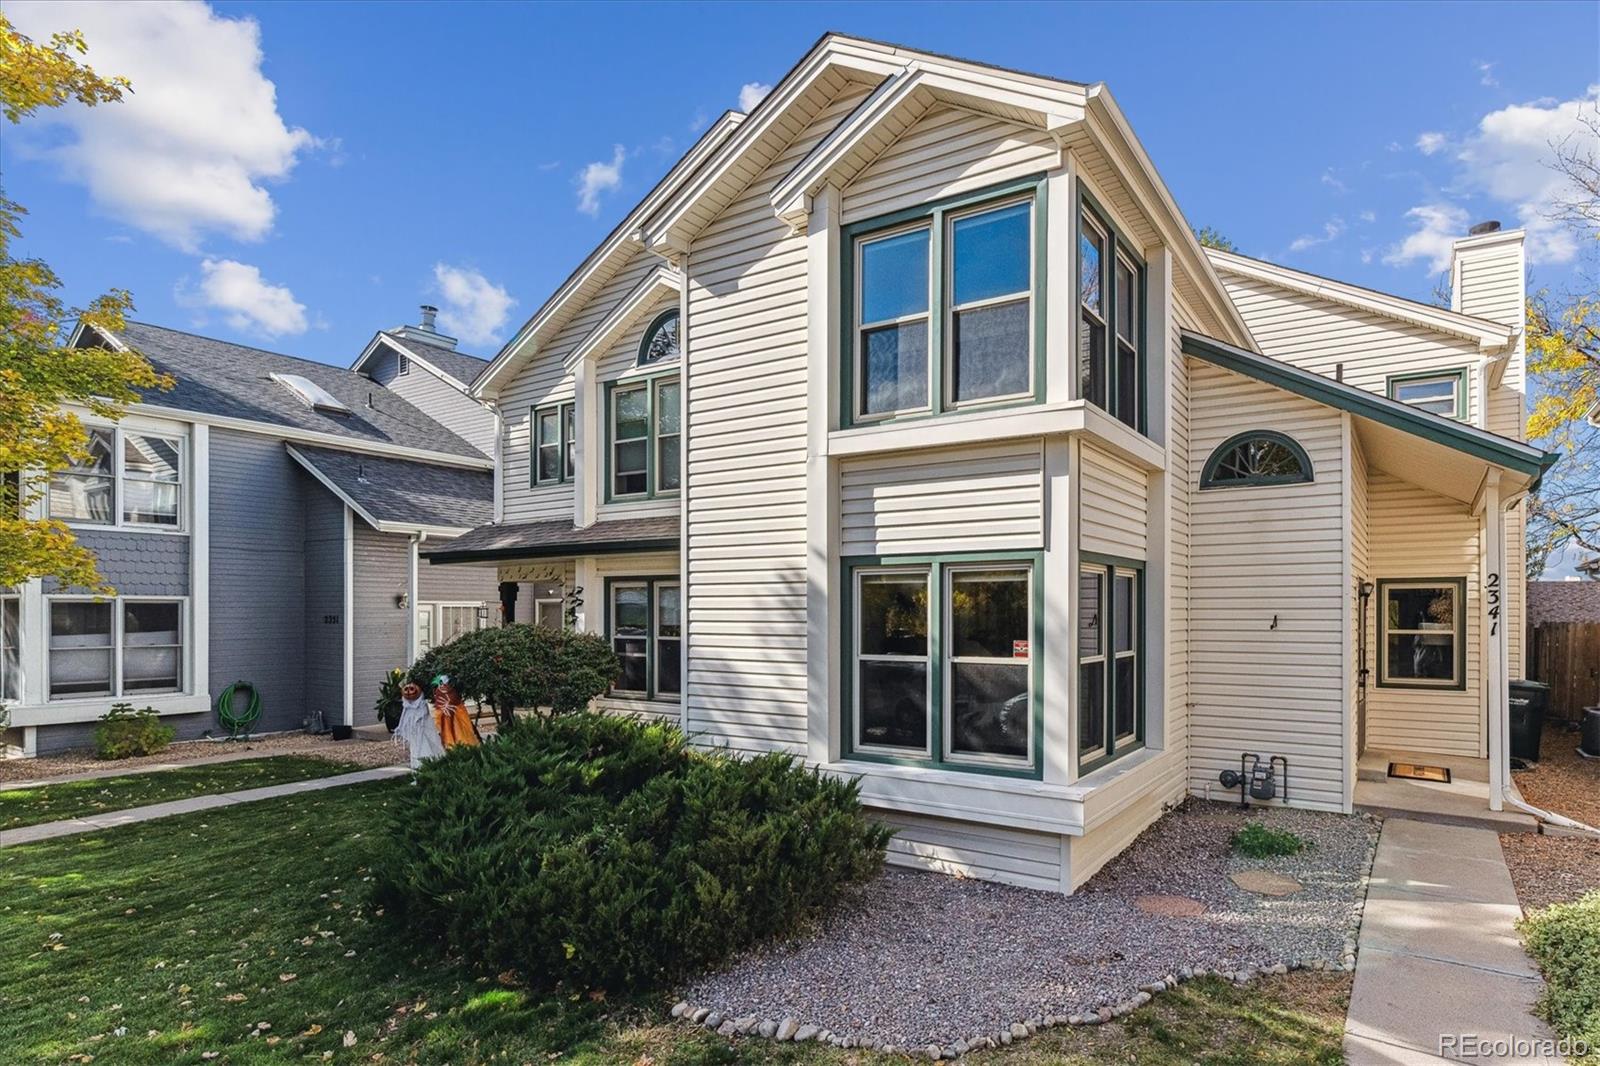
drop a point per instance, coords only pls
(1259, 457)
(660, 342)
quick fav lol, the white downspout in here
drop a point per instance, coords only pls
(1492, 603)
(411, 596)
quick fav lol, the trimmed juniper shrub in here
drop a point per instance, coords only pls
(523, 666)
(603, 852)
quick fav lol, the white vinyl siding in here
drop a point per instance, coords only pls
(968, 849)
(1418, 535)
(1267, 596)
(1115, 507)
(987, 498)
(1360, 571)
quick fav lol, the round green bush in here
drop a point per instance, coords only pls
(603, 852)
(524, 666)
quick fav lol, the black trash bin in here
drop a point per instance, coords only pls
(1529, 702)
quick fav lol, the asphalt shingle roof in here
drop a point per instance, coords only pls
(459, 365)
(535, 540)
(1563, 601)
(403, 490)
(231, 380)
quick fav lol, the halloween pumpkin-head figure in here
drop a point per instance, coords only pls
(410, 691)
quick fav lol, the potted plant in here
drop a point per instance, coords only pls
(388, 705)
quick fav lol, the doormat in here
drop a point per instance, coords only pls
(1416, 772)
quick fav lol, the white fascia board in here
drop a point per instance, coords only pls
(423, 529)
(110, 338)
(626, 235)
(1490, 336)
(382, 337)
(1110, 130)
(660, 280)
(311, 436)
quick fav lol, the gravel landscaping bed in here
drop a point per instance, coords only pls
(358, 752)
(1562, 780)
(921, 959)
(1550, 869)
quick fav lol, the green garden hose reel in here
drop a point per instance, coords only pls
(235, 720)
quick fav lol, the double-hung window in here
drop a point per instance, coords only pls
(553, 444)
(124, 647)
(10, 648)
(945, 311)
(1422, 633)
(646, 629)
(645, 428)
(1110, 319)
(944, 663)
(127, 478)
(1442, 393)
(1110, 703)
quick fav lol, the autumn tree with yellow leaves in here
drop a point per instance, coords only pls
(39, 375)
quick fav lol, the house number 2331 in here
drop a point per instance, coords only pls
(1492, 587)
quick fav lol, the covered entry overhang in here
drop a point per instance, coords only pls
(1482, 472)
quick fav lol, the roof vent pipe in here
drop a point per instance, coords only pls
(428, 311)
(1489, 226)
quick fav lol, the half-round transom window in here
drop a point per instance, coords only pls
(1259, 457)
(660, 340)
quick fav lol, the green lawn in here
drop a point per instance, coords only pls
(79, 799)
(244, 934)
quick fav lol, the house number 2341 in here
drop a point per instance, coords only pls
(1492, 586)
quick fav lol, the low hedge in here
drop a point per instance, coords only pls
(507, 667)
(1564, 939)
(605, 853)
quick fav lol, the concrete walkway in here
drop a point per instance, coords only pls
(1440, 963)
(67, 827)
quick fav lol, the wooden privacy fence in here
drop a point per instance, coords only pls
(1566, 656)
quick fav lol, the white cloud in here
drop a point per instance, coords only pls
(1333, 182)
(1368, 216)
(1437, 227)
(191, 149)
(1331, 230)
(1430, 142)
(597, 178)
(474, 308)
(249, 302)
(1366, 255)
(1486, 74)
(752, 93)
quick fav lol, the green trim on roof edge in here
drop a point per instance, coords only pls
(1501, 451)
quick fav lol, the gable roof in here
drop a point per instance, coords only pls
(396, 495)
(1479, 443)
(460, 368)
(233, 381)
(1490, 336)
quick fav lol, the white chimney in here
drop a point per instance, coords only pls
(1488, 279)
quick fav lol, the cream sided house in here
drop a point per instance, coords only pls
(905, 427)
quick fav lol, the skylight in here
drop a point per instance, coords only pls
(311, 394)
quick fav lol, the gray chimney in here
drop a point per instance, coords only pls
(1489, 226)
(428, 310)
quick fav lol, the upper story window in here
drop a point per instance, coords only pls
(644, 426)
(660, 343)
(554, 444)
(944, 308)
(127, 479)
(1258, 457)
(1442, 393)
(1110, 319)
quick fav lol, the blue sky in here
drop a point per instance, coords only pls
(430, 152)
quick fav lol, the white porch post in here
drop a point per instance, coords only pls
(411, 599)
(1492, 603)
(823, 669)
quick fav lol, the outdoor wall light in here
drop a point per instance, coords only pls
(402, 599)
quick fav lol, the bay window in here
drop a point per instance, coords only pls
(123, 647)
(1422, 633)
(645, 431)
(1110, 355)
(944, 306)
(128, 478)
(944, 664)
(1110, 638)
(645, 624)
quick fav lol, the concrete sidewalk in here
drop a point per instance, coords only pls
(1440, 963)
(49, 830)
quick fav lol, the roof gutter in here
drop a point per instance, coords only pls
(551, 551)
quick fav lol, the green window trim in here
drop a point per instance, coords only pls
(938, 568)
(567, 447)
(1459, 630)
(1110, 751)
(1208, 473)
(1117, 245)
(935, 216)
(1459, 374)
(652, 384)
(649, 334)
(652, 585)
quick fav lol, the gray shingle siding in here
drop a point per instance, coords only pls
(381, 574)
(258, 502)
(325, 621)
(136, 564)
